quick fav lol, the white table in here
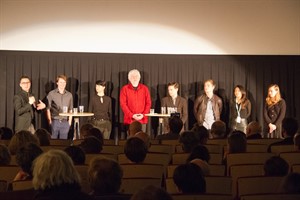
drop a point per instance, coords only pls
(76, 121)
(161, 116)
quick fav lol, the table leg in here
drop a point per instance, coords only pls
(76, 129)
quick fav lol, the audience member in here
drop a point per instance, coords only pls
(135, 150)
(188, 140)
(276, 166)
(200, 152)
(77, 154)
(96, 133)
(84, 130)
(253, 130)
(91, 145)
(201, 133)
(105, 176)
(237, 142)
(55, 177)
(5, 156)
(203, 165)
(218, 130)
(20, 139)
(175, 126)
(134, 128)
(289, 129)
(24, 158)
(151, 193)
(6, 133)
(297, 141)
(145, 137)
(291, 184)
(44, 136)
(189, 179)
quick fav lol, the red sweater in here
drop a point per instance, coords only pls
(135, 102)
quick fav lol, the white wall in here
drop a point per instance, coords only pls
(152, 26)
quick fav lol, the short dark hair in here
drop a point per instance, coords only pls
(6, 133)
(237, 142)
(276, 166)
(291, 183)
(101, 82)
(290, 125)
(77, 154)
(175, 124)
(91, 144)
(44, 136)
(189, 140)
(23, 77)
(200, 152)
(201, 133)
(135, 149)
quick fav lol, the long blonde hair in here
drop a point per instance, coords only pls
(273, 100)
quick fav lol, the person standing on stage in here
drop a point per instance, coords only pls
(174, 101)
(208, 106)
(24, 106)
(240, 109)
(135, 100)
(101, 107)
(58, 100)
(274, 112)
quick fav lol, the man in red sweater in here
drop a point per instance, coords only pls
(135, 100)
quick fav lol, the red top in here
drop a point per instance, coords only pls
(135, 101)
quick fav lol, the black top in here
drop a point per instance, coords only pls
(275, 114)
(101, 110)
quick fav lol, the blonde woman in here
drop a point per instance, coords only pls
(55, 177)
(274, 112)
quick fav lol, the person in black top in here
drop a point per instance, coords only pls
(101, 107)
(274, 112)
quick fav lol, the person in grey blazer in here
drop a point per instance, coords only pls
(175, 102)
(24, 106)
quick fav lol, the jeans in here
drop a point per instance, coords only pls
(60, 129)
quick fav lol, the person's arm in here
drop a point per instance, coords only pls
(49, 117)
(220, 105)
(19, 108)
(71, 108)
(109, 109)
(196, 107)
(248, 107)
(184, 110)
(147, 101)
(266, 116)
(282, 106)
(123, 103)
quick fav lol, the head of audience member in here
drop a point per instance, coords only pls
(201, 133)
(84, 130)
(20, 139)
(105, 176)
(297, 141)
(175, 124)
(134, 77)
(276, 166)
(291, 184)
(6, 133)
(253, 128)
(96, 133)
(44, 136)
(135, 150)
(145, 137)
(5, 156)
(25, 157)
(199, 152)
(91, 145)
(54, 169)
(237, 142)
(189, 179)
(151, 193)
(77, 154)
(289, 127)
(188, 140)
(218, 130)
(133, 128)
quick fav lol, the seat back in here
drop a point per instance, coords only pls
(9, 172)
(277, 149)
(214, 170)
(142, 170)
(161, 148)
(271, 196)
(291, 157)
(201, 197)
(89, 157)
(112, 149)
(132, 185)
(21, 185)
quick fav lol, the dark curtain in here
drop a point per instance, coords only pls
(254, 72)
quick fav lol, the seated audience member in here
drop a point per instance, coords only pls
(151, 193)
(105, 176)
(253, 130)
(203, 165)
(134, 128)
(200, 152)
(189, 179)
(188, 140)
(5, 133)
(44, 136)
(276, 166)
(91, 145)
(96, 133)
(175, 126)
(297, 141)
(24, 158)
(135, 150)
(218, 130)
(55, 177)
(20, 139)
(77, 154)
(289, 129)
(291, 184)
(84, 129)
(5, 156)
(145, 137)
(236, 143)
(201, 133)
